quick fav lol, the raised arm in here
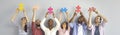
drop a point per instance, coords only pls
(68, 19)
(90, 20)
(33, 20)
(25, 15)
(34, 15)
(57, 22)
(60, 17)
(72, 17)
(14, 16)
(43, 21)
(103, 17)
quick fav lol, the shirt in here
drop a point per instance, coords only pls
(47, 30)
(64, 32)
(35, 30)
(101, 28)
(85, 28)
(20, 30)
(77, 28)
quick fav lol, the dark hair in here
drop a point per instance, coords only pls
(25, 27)
(49, 21)
(84, 20)
(66, 25)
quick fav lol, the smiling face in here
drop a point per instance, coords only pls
(37, 22)
(50, 22)
(64, 25)
(97, 19)
(24, 20)
(81, 19)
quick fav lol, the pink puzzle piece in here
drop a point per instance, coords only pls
(50, 10)
(78, 9)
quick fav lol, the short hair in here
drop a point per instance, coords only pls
(49, 20)
(37, 20)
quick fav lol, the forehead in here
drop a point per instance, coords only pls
(97, 17)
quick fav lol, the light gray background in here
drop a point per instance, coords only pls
(110, 8)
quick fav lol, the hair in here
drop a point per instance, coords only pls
(24, 18)
(37, 20)
(97, 17)
(84, 20)
(49, 21)
(66, 25)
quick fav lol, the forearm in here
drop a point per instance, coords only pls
(68, 17)
(25, 15)
(57, 23)
(90, 20)
(14, 16)
(71, 19)
(33, 17)
(42, 24)
(60, 18)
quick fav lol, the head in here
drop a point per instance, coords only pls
(97, 19)
(64, 25)
(50, 22)
(37, 22)
(24, 20)
(81, 19)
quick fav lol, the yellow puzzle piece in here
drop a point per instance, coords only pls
(21, 6)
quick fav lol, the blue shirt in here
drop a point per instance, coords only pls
(75, 28)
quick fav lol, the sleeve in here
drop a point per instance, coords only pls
(71, 25)
(90, 28)
(42, 24)
(102, 23)
(57, 24)
(33, 27)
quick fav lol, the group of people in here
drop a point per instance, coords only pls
(81, 26)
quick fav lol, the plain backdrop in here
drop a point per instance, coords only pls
(109, 8)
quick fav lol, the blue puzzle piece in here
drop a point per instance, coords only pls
(63, 9)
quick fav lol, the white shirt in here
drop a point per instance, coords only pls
(80, 29)
(20, 30)
(47, 30)
(101, 28)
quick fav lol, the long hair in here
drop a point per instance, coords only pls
(97, 17)
(66, 25)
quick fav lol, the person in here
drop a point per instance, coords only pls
(100, 21)
(64, 29)
(79, 27)
(50, 30)
(22, 26)
(18, 11)
(36, 29)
